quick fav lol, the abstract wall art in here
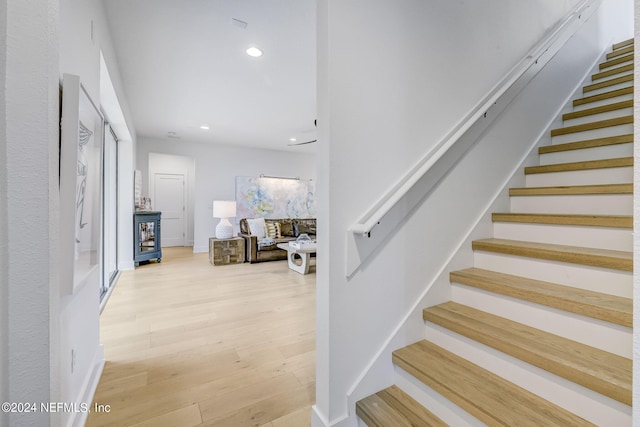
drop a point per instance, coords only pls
(269, 197)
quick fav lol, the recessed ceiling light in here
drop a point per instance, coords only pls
(254, 51)
(292, 139)
(204, 127)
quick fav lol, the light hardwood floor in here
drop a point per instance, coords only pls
(190, 344)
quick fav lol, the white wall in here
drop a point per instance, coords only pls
(394, 77)
(29, 208)
(84, 33)
(113, 111)
(216, 167)
(126, 162)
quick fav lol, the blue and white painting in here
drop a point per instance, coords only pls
(274, 198)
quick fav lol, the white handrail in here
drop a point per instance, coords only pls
(382, 207)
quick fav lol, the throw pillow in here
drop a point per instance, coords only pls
(257, 227)
(286, 228)
(273, 230)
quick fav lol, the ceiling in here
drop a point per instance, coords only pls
(183, 65)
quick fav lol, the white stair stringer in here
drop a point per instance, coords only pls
(592, 406)
(597, 279)
(585, 204)
(618, 175)
(619, 239)
(586, 154)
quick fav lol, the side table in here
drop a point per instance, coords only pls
(226, 251)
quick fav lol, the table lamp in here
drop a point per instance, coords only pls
(224, 209)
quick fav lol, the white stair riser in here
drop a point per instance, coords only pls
(593, 134)
(620, 175)
(616, 65)
(613, 76)
(583, 402)
(586, 154)
(443, 408)
(607, 89)
(599, 204)
(598, 117)
(619, 239)
(602, 102)
(595, 333)
(604, 280)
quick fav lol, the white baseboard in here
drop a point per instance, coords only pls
(126, 265)
(200, 249)
(79, 419)
(318, 419)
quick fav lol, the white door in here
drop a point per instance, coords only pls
(170, 200)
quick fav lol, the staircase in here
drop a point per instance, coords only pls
(538, 332)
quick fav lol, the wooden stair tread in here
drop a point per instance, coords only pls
(609, 308)
(590, 143)
(604, 258)
(573, 190)
(598, 370)
(621, 44)
(593, 125)
(616, 61)
(578, 166)
(603, 96)
(597, 110)
(607, 83)
(620, 52)
(612, 72)
(393, 407)
(486, 396)
(617, 221)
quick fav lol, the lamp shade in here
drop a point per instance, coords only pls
(224, 209)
